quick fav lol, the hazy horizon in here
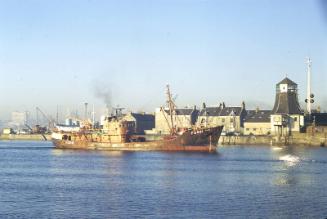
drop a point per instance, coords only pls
(124, 52)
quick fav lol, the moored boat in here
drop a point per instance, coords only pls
(116, 134)
(204, 140)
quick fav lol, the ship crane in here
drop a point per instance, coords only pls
(50, 121)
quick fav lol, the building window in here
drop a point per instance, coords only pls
(247, 129)
(231, 120)
(223, 120)
(254, 129)
(295, 119)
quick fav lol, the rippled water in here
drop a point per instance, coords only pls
(38, 181)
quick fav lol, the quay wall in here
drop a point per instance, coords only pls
(316, 139)
(24, 137)
(319, 139)
(245, 140)
(295, 139)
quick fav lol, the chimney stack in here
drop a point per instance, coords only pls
(257, 109)
(243, 104)
(204, 106)
(85, 113)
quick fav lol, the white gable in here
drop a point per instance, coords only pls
(283, 88)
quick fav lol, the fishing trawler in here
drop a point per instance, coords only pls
(116, 135)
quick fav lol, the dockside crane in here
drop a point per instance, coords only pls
(51, 122)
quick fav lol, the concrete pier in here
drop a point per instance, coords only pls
(296, 139)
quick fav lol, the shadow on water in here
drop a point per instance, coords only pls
(25, 145)
(137, 155)
(28, 148)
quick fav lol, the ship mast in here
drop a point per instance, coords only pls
(171, 106)
(164, 114)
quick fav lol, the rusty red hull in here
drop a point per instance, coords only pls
(204, 140)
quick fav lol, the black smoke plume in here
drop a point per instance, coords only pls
(103, 91)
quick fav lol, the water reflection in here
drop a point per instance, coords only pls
(57, 152)
(113, 153)
(291, 166)
(290, 160)
(275, 148)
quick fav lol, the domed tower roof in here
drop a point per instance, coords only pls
(287, 81)
(287, 104)
(286, 101)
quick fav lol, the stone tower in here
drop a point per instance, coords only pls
(287, 115)
(286, 101)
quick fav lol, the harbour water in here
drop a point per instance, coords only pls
(38, 181)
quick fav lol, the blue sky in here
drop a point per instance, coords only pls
(54, 52)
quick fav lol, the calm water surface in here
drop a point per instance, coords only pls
(38, 181)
